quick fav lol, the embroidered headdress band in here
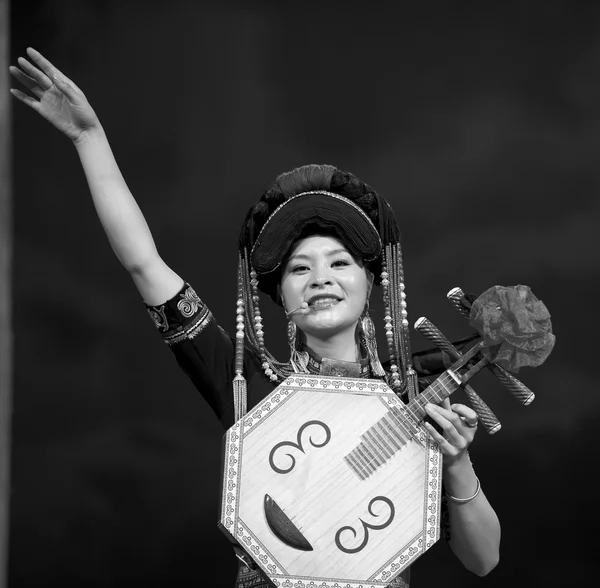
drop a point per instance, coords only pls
(314, 210)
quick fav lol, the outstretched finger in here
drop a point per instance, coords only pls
(42, 62)
(51, 71)
(41, 79)
(32, 102)
(27, 81)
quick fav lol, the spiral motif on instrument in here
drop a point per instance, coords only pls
(366, 526)
(298, 445)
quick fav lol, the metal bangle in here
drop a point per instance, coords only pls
(465, 500)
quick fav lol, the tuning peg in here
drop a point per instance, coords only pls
(455, 296)
(521, 392)
(487, 418)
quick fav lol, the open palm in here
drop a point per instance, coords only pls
(57, 98)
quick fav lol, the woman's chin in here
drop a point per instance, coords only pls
(326, 324)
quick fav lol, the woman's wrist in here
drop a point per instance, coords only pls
(458, 465)
(465, 499)
(459, 478)
(90, 136)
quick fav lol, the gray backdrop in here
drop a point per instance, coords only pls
(479, 122)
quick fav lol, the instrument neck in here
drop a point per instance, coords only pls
(438, 391)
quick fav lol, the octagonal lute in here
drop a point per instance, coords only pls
(334, 482)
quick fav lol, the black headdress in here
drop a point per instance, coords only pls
(364, 221)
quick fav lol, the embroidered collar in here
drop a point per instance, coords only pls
(325, 366)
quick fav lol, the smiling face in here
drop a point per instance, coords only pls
(321, 272)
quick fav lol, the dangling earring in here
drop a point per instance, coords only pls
(368, 331)
(298, 360)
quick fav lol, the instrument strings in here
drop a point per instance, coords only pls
(381, 447)
(373, 455)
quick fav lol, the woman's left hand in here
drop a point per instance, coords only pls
(459, 425)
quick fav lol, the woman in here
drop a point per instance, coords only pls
(316, 242)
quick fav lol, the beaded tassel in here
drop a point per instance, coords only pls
(253, 322)
(239, 382)
(401, 337)
(254, 318)
(260, 335)
(248, 303)
(396, 381)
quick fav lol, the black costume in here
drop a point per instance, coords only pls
(234, 374)
(205, 352)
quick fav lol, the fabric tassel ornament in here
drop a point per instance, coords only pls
(239, 382)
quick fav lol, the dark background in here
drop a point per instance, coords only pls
(479, 122)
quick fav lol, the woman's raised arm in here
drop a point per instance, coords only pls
(64, 105)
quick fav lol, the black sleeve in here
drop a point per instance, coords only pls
(203, 350)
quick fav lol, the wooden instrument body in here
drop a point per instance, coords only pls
(304, 447)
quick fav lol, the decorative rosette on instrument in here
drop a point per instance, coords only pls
(515, 326)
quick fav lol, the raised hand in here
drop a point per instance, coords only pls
(57, 98)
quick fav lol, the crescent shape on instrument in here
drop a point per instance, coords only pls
(282, 526)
